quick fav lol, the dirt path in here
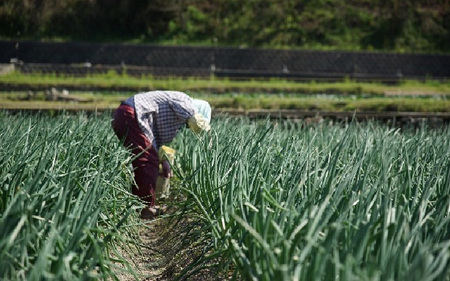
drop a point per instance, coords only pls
(150, 263)
(164, 254)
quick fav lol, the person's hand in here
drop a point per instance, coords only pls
(166, 170)
(198, 124)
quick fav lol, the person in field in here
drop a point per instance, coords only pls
(146, 121)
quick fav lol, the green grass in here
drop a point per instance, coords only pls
(232, 101)
(286, 201)
(113, 80)
(219, 104)
(330, 103)
(107, 90)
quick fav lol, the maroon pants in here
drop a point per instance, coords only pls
(145, 161)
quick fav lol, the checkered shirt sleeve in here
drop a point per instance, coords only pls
(161, 114)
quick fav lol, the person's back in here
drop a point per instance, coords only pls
(148, 120)
(161, 114)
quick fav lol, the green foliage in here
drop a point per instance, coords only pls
(331, 103)
(289, 201)
(63, 199)
(404, 26)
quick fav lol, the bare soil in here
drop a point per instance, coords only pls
(165, 254)
(149, 262)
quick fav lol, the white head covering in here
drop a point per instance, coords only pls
(203, 108)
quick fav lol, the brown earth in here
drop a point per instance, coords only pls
(165, 254)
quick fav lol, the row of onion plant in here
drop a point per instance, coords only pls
(288, 201)
(65, 208)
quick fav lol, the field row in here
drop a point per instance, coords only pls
(278, 201)
(265, 200)
(65, 207)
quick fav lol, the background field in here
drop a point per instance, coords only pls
(102, 92)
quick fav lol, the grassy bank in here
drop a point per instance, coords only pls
(107, 90)
(111, 81)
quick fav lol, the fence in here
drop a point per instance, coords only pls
(85, 58)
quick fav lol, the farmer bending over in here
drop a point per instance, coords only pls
(146, 121)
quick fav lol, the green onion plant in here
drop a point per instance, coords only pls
(65, 208)
(279, 200)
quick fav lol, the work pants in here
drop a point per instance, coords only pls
(145, 161)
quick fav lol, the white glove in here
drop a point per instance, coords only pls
(197, 123)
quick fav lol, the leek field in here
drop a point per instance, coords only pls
(264, 200)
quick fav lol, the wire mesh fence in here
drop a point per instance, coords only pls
(87, 58)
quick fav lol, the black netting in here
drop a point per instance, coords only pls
(83, 58)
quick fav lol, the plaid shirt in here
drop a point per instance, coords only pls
(161, 114)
